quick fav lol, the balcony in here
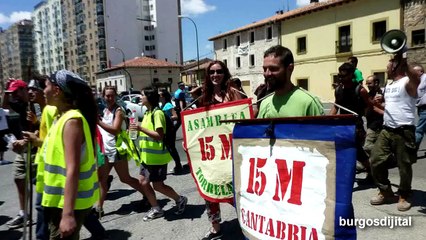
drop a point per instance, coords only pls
(343, 47)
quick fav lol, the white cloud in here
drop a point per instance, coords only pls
(14, 17)
(195, 7)
(305, 2)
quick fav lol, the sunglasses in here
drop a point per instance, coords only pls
(218, 71)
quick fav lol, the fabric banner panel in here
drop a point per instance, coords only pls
(209, 144)
(294, 179)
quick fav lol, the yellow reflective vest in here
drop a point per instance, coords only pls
(54, 175)
(47, 117)
(153, 152)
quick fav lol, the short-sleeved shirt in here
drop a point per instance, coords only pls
(158, 155)
(357, 76)
(167, 109)
(297, 103)
(179, 96)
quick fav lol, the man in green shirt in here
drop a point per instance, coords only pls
(357, 74)
(287, 100)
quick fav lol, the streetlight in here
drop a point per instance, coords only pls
(124, 66)
(196, 39)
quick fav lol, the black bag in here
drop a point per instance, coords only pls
(169, 136)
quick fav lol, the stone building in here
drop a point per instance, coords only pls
(414, 12)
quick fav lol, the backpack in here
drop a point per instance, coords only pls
(169, 136)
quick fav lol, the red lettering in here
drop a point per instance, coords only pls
(207, 150)
(226, 146)
(259, 186)
(293, 230)
(283, 179)
(313, 235)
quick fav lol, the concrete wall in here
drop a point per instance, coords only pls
(251, 76)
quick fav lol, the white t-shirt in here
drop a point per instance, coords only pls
(400, 107)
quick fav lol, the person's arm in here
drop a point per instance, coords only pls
(333, 110)
(159, 124)
(115, 128)
(414, 80)
(73, 138)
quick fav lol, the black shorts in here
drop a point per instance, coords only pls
(154, 173)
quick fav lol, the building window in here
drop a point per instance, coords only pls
(301, 45)
(303, 83)
(252, 37)
(344, 44)
(252, 61)
(379, 28)
(170, 80)
(155, 80)
(417, 37)
(238, 62)
(225, 62)
(225, 44)
(381, 77)
(269, 33)
(238, 41)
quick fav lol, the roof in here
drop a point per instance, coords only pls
(312, 7)
(193, 65)
(146, 62)
(142, 62)
(195, 68)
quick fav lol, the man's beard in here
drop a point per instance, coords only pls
(274, 83)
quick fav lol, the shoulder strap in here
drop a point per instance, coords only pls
(114, 111)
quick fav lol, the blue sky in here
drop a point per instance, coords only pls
(211, 16)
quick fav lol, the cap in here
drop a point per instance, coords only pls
(35, 84)
(63, 77)
(181, 84)
(15, 85)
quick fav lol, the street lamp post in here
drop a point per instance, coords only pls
(124, 67)
(196, 40)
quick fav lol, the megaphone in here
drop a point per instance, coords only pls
(393, 41)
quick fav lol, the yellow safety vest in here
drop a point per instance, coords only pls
(55, 167)
(153, 152)
(47, 117)
(126, 147)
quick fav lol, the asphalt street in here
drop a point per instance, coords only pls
(123, 219)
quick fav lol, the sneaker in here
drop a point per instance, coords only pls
(153, 214)
(360, 167)
(383, 197)
(176, 170)
(17, 222)
(404, 204)
(181, 205)
(213, 236)
(4, 162)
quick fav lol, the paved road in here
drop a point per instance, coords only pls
(124, 217)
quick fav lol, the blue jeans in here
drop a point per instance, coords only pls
(421, 126)
(42, 231)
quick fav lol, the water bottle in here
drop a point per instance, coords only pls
(133, 134)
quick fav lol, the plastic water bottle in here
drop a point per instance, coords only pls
(133, 134)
